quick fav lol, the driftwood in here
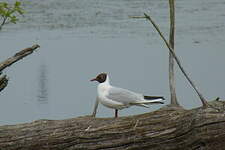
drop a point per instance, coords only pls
(168, 128)
(18, 56)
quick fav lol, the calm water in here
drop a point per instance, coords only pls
(80, 38)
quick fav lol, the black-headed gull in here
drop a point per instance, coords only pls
(118, 98)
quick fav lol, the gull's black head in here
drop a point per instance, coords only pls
(100, 78)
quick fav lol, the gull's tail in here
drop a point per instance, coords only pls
(150, 100)
(153, 97)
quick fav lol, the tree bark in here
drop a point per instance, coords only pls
(168, 128)
(8, 62)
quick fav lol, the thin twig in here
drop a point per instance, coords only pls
(203, 100)
(137, 17)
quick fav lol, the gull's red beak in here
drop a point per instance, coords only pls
(93, 79)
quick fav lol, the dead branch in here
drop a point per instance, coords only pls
(21, 54)
(172, 84)
(203, 100)
(3, 82)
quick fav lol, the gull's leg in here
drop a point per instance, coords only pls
(116, 113)
(95, 108)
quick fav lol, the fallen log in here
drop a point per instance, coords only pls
(11, 60)
(168, 128)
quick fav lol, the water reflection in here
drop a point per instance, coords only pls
(43, 106)
(42, 96)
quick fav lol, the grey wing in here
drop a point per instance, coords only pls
(124, 96)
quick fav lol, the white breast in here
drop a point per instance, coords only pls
(102, 92)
